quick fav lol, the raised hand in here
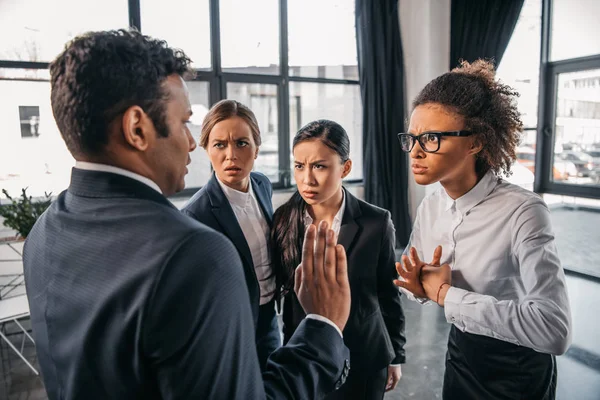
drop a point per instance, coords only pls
(321, 281)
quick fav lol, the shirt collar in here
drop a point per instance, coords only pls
(235, 197)
(474, 196)
(89, 166)
(337, 220)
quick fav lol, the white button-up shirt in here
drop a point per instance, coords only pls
(507, 279)
(256, 231)
(337, 220)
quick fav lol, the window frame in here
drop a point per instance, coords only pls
(217, 80)
(547, 96)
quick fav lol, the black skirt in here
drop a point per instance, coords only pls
(479, 367)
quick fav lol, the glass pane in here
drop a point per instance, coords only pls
(575, 29)
(577, 128)
(32, 152)
(25, 74)
(199, 171)
(250, 36)
(322, 39)
(191, 32)
(520, 64)
(37, 30)
(262, 100)
(519, 69)
(339, 103)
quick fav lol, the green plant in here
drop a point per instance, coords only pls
(22, 213)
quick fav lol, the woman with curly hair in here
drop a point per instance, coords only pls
(495, 267)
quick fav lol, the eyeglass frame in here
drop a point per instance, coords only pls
(439, 134)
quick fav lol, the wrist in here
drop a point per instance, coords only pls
(442, 291)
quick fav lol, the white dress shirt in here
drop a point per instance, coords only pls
(88, 166)
(256, 231)
(507, 279)
(337, 220)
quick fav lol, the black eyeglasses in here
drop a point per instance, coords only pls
(429, 141)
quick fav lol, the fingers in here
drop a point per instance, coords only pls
(330, 257)
(399, 269)
(406, 271)
(402, 284)
(414, 257)
(341, 269)
(308, 252)
(319, 257)
(437, 256)
(390, 382)
(394, 383)
(297, 278)
(408, 265)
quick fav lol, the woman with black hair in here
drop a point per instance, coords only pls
(501, 283)
(375, 330)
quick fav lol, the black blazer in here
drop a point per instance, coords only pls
(130, 299)
(210, 206)
(375, 330)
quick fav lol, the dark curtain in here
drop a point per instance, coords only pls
(481, 28)
(381, 74)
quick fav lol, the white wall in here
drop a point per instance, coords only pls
(425, 31)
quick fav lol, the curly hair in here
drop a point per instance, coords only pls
(99, 75)
(488, 107)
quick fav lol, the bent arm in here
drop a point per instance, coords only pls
(542, 319)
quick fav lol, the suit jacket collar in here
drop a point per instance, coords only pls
(221, 209)
(263, 199)
(100, 184)
(350, 222)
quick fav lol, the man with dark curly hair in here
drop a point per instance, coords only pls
(500, 282)
(131, 299)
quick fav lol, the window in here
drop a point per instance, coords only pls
(290, 61)
(338, 102)
(577, 130)
(322, 39)
(250, 36)
(191, 32)
(37, 30)
(32, 152)
(519, 68)
(262, 100)
(199, 170)
(571, 109)
(575, 29)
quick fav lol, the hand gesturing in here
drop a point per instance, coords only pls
(411, 273)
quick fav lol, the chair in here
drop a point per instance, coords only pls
(11, 310)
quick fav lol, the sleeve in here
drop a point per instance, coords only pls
(542, 319)
(388, 293)
(198, 333)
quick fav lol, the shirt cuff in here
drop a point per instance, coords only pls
(454, 297)
(412, 297)
(395, 365)
(326, 320)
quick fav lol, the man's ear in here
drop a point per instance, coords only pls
(347, 168)
(137, 128)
